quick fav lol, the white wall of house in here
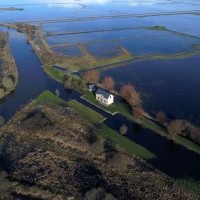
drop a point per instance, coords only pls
(105, 101)
(110, 99)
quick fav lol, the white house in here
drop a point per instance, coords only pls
(104, 97)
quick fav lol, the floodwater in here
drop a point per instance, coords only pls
(168, 85)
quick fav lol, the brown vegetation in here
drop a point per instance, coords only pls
(185, 129)
(176, 127)
(49, 155)
(9, 69)
(123, 129)
(91, 76)
(74, 82)
(161, 116)
(138, 112)
(195, 134)
(108, 83)
(129, 93)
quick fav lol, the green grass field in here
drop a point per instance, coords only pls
(122, 108)
(56, 74)
(48, 97)
(87, 113)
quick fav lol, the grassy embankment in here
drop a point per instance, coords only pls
(9, 77)
(48, 97)
(163, 28)
(125, 110)
(97, 120)
(56, 74)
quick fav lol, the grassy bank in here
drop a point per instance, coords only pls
(89, 114)
(122, 108)
(96, 119)
(48, 97)
(56, 74)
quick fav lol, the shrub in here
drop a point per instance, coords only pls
(161, 116)
(5, 186)
(129, 93)
(195, 134)
(108, 83)
(8, 83)
(176, 127)
(138, 112)
(2, 121)
(123, 129)
(73, 81)
(12, 77)
(57, 92)
(91, 76)
(2, 92)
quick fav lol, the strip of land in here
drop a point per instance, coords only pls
(11, 9)
(113, 17)
(9, 77)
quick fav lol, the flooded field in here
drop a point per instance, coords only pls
(168, 85)
(104, 28)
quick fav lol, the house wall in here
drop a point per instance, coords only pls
(108, 101)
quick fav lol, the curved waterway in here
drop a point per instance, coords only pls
(32, 79)
(172, 159)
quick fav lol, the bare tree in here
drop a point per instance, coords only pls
(108, 83)
(138, 112)
(129, 93)
(161, 116)
(123, 129)
(195, 134)
(176, 127)
(91, 76)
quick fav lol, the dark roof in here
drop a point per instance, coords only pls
(104, 93)
(92, 87)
